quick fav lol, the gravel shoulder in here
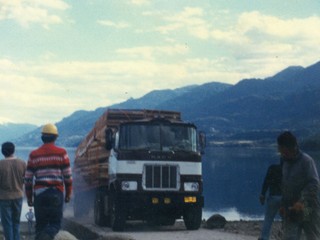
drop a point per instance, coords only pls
(83, 229)
(233, 230)
(252, 228)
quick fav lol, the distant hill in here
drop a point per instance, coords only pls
(290, 99)
(154, 98)
(251, 109)
(11, 131)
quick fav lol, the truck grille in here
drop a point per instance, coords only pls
(161, 177)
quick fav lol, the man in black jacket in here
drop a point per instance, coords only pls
(271, 183)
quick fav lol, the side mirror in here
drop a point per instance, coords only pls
(202, 141)
(109, 139)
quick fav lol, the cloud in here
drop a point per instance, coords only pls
(28, 98)
(250, 27)
(150, 52)
(109, 23)
(269, 42)
(190, 19)
(139, 2)
(4, 120)
(256, 28)
(48, 91)
(276, 27)
(254, 44)
(26, 12)
(6, 65)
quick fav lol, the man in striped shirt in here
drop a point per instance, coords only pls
(47, 178)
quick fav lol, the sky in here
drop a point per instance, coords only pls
(60, 56)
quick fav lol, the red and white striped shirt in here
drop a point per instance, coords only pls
(48, 166)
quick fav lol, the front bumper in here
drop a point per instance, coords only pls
(141, 205)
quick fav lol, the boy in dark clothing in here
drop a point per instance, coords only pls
(272, 182)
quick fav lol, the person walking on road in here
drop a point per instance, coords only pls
(272, 185)
(12, 170)
(47, 177)
(29, 216)
(300, 207)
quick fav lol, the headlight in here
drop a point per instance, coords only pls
(129, 185)
(191, 186)
(190, 199)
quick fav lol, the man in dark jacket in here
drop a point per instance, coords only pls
(271, 184)
(300, 191)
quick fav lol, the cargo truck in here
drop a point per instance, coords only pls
(140, 165)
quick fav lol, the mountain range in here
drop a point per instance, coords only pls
(9, 131)
(252, 109)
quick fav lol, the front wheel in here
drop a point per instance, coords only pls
(117, 213)
(99, 217)
(192, 217)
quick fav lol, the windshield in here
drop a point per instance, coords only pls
(157, 137)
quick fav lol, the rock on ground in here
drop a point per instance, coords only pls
(64, 235)
(215, 221)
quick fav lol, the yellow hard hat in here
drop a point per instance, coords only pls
(50, 129)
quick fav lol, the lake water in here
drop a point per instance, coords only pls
(232, 178)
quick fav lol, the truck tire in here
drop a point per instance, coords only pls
(117, 213)
(192, 217)
(99, 217)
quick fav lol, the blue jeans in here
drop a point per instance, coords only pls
(272, 208)
(10, 218)
(48, 208)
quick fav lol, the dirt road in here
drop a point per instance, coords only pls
(140, 231)
(85, 229)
